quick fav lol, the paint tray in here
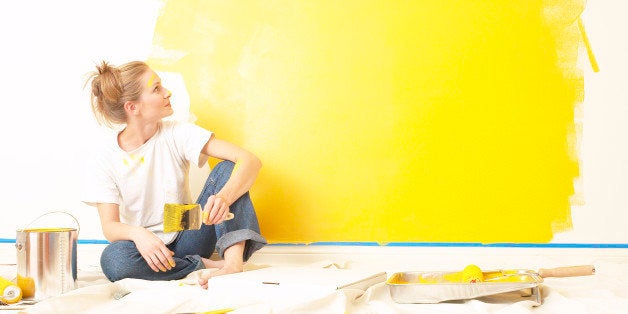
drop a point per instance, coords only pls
(432, 287)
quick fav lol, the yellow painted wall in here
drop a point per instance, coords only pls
(390, 121)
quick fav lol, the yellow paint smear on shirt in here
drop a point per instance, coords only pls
(389, 121)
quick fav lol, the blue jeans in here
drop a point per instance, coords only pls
(121, 259)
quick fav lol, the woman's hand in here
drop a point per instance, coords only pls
(245, 170)
(153, 250)
(215, 210)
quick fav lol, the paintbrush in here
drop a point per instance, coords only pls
(179, 217)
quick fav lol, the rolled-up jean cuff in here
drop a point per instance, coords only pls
(197, 260)
(254, 242)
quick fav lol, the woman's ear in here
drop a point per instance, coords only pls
(130, 107)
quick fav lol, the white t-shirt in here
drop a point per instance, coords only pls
(143, 180)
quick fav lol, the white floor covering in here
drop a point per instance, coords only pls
(604, 292)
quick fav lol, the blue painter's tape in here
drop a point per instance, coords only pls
(468, 244)
(348, 243)
(92, 241)
(513, 245)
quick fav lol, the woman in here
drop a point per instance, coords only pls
(146, 166)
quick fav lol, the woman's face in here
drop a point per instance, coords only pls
(155, 99)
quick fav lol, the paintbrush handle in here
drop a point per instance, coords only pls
(569, 271)
(229, 216)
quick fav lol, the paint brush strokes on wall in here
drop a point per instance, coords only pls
(390, 121)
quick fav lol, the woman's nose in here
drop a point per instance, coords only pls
(168, 94)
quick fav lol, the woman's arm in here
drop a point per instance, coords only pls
(112, 228)
(152, 249)
(244, 173)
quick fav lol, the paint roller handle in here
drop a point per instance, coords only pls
(569, 271)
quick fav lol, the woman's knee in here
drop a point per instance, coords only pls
(224, 167)
(115, 260)
(219, 175)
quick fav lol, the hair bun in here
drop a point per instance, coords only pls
(96, 86)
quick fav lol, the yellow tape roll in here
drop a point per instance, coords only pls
(9, 292)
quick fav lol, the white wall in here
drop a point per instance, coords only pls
(48, 47)
(604, 119)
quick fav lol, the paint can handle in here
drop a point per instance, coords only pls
(78, 225)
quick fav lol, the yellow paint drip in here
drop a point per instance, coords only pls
(389, 121)
(587, 45)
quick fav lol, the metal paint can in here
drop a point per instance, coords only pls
(46, 257)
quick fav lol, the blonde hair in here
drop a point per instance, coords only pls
(112, 87)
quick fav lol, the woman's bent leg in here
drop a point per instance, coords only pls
(121, 259)
(244, 226)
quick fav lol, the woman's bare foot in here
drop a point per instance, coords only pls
(233, 263)
(212, 264)
(227, 269)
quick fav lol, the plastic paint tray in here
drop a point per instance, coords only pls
(433, 287)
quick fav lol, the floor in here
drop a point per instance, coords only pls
(607, 285)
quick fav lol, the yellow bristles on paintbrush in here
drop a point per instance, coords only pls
(179, 217)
